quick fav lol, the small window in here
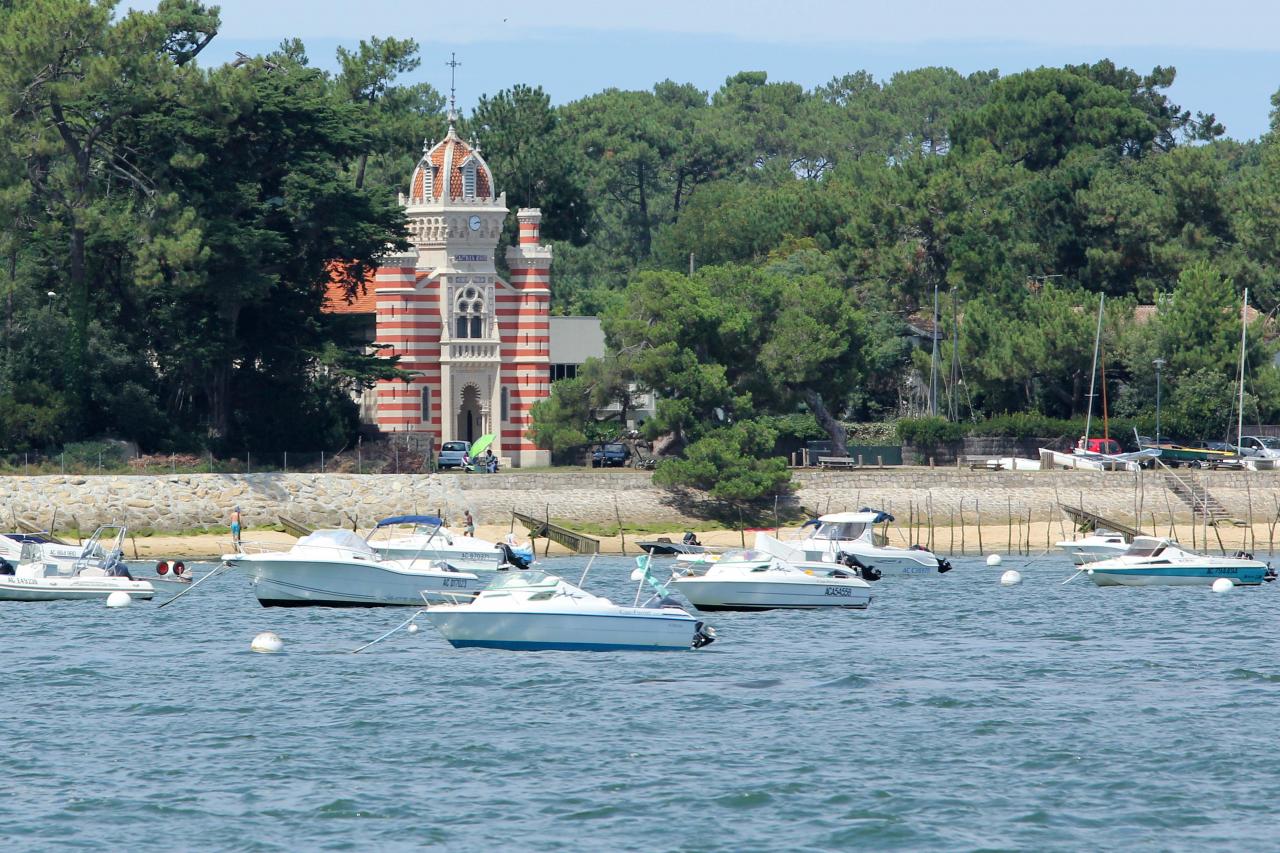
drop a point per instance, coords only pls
(426, 405)
(462, 327)
(475, 328)
(469, 180)
(506, 413)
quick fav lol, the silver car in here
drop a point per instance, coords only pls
(452, 454)
(1260, 446)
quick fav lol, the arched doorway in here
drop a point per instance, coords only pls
(470, 419)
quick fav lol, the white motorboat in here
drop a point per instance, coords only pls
(12, 545)
(1098, 545)
(428, 538)
(45, 573)
(536, 611)
(1152, 561)
(337, 568)
(756, 580)
(843, 534)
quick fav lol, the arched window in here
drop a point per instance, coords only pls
(469, 180)
(506, 412)
(469, 314)
(426, 405)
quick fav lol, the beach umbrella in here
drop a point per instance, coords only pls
(482, 444)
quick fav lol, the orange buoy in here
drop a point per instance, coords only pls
(162, 568)
(179, 568)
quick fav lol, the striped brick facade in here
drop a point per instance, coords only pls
(477, 346)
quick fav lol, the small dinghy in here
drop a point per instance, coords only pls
(536, 611)
(755, 580)
(46, 573)
(1152, 561)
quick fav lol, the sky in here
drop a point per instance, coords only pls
(1227, 54)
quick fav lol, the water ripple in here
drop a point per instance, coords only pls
(953, 714)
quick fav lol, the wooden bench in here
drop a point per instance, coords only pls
(837, 462)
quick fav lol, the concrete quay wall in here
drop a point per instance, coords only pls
(191, 501)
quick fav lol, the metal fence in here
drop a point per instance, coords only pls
(404, 454)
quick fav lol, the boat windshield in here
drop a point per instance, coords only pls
(750, 555)
(840, 530)
(1145, 548)
(1270, 443)
(528, 579)
(335, 539)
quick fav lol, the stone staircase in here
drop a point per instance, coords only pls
(1202, 503)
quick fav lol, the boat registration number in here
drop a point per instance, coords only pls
(845, 591)
(28, 581)
(455, 582)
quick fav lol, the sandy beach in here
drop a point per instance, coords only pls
(1037, 538)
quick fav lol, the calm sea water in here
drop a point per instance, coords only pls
(954, 714)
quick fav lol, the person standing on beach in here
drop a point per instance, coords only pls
(235, 526)
(468, 523)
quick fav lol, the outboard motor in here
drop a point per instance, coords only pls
(703, 635)
(867, 573)
(511, 558)
(944, 566)
(1269, 575)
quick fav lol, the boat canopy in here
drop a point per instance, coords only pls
(862, 516)
(335, 539)
(429, 520)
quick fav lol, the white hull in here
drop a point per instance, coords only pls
(347, 583)
(626, 628)
(464, 559)
(712, 594)
(70, 588)
(888, 561)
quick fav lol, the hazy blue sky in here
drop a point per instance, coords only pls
(1227, 54)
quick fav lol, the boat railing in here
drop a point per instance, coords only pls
(247, 546)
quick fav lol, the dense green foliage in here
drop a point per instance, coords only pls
(758, 252)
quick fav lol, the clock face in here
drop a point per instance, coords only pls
(474, 223)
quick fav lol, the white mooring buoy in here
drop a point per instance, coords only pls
(1223, 585)
(412, 629)
(119, 598)
(1011, 578)
(268, 642)
(993, 559)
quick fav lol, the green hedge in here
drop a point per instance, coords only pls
(929, 432)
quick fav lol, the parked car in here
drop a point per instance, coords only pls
(1260, 446)
(451, 454)
(612, 455)
(1107, 446)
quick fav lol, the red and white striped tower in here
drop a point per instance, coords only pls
(477, 346)
(525, 314)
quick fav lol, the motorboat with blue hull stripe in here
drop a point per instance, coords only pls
(1153, 561)
(536, 611)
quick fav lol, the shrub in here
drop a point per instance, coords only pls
(929, 432)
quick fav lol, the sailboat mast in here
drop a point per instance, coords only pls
(1244, 330)
(933, 364)
(1093, 372)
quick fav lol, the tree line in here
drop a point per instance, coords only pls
(755, 252)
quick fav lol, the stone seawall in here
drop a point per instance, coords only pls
(190, 501)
